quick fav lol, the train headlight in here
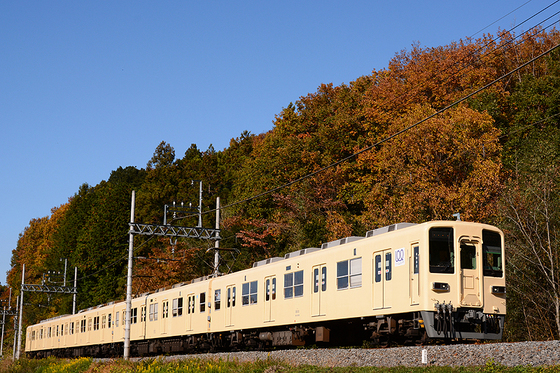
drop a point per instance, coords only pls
(498, 289)
(440, 286)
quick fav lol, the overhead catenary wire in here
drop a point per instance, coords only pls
(388, 138)
(378, 143)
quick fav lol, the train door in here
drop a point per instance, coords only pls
(191, 301)
(319, 287)
(471, 272)
(414, 273)
(269, 298)
(230, 304)
(382, 274)
(164, 316)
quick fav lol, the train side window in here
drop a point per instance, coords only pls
(165, 310)
(49, 332)
(349, 273)
(388, 269)
(202, 302)
(249, 293)
(154, 311)
(293, 284)
(217, 299)
(377, 265)
(143, 314)
(492, 253)
(117, 319)
(96, 323)
(109, 319)
(177, 307)
(324, 279)
(231, 297)
(134, 315)
(103, 321)
(316, 280)
(83, 326)
(442, 250)
(416, 253)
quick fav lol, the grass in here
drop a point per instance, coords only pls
(88, 365)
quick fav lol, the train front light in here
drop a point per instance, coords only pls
(498, 289)
(440, 286)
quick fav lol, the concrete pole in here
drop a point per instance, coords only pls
(217, 242)
(200, 204)
(4, 323)
(75, 290)
(15, 329)
(18, 353)
(2, 343)
(126, 354)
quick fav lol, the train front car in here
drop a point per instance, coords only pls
(465, 282)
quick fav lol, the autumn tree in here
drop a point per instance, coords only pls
(530, 206)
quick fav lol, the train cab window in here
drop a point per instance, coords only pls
(217, 299)
(177, 307)
(468, 256)
(349, 273)
(293, 284)
(249, 293)
(492, 253)
(442, 251)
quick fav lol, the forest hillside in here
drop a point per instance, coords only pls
(472, 127)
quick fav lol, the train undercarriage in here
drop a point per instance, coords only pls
(415, 328)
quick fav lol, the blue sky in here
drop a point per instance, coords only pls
(86, 87)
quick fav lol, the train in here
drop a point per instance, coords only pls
(404, 283)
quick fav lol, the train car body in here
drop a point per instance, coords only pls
(405, 282)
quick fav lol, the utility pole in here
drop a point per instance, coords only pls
(39, 289)
(166, 230)
(217, 242)
(6, 312)
(126, 353)
(20, 313)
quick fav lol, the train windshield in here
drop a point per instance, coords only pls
(492, 253)
(442, 251)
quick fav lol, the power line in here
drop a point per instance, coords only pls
(386, 139)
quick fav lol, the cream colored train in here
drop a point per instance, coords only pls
(404, 282)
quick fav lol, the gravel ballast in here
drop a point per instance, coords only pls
(507, 354)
